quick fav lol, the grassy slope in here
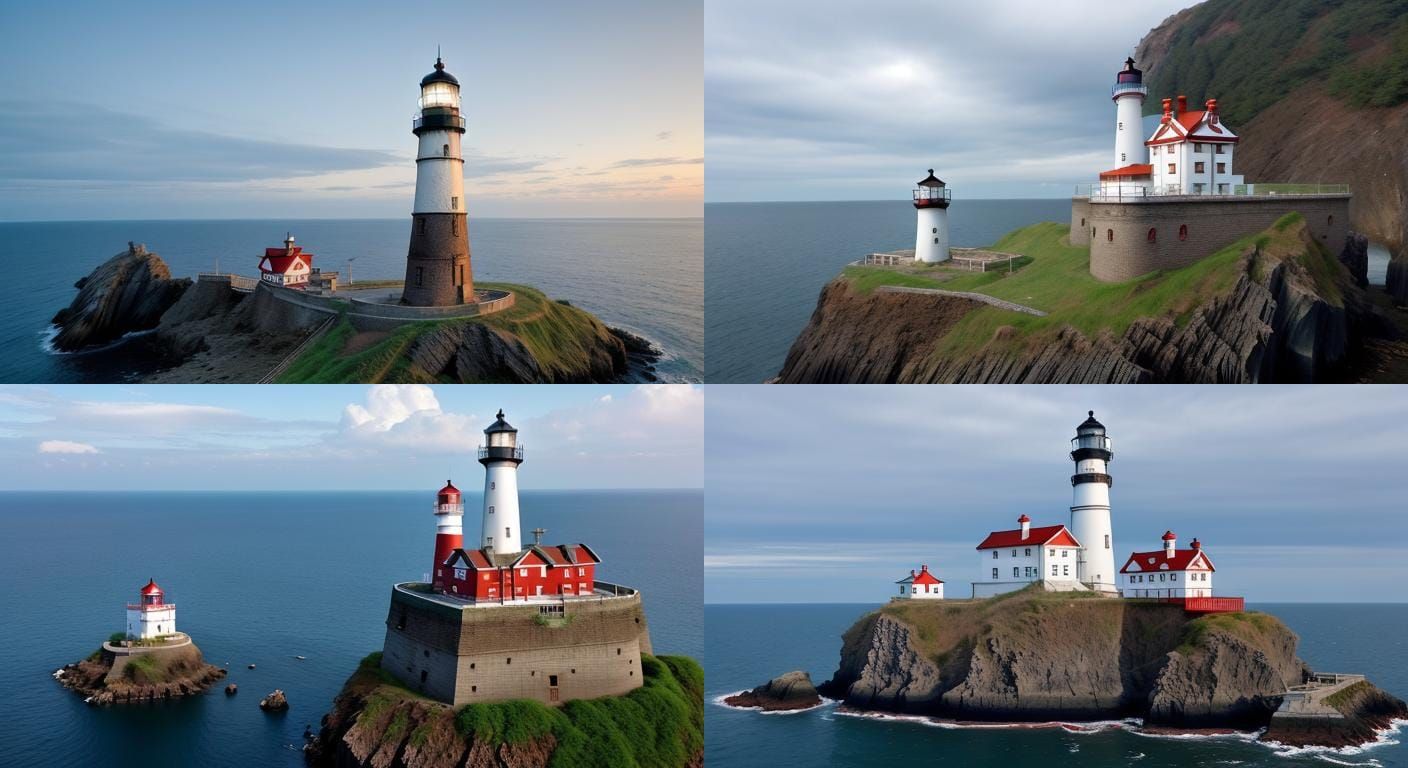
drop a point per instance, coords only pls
(659, 724)
(1058, 281)
(558, 335)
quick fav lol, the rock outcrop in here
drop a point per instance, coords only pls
(164, 673)
(125, 294)
(1283, 319)
(1036, 657)
(1365, 708)
(791, 691)
(274, 702)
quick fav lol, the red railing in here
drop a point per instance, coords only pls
(1207, 604)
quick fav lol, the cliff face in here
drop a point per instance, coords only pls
(127, 293)
(1308, 86)
(104, 678)
(1291, 314)
(1034, 656)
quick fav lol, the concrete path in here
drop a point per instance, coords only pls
(986, 299)
(1309, 700)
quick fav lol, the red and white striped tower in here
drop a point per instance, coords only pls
(449, 531)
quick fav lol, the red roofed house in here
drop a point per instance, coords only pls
(921, 586)
(1010, 560)
(1170, 572)
(288, 266)
(1191, 152)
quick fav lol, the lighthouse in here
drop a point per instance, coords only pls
(931, 199)
(151, 616)
(449, 531)
(1090, 505)
(501, 454)
(1128, 94)
(437, 263)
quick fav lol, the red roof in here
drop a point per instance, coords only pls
(925, 577)
(449, 494)
(281, 260)
(541, 554)
(151, 588)
(1133, 170)
(1048, 534)
(1168, 536)
(1182, 560)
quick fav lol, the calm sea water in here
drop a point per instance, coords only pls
(765, 263)
(262, 577)
(645, 275)
(750, 644)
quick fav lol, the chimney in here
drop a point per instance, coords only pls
(924, 568)
(1168, 109)
(1026, 523)
(1169, 543)
(1197, 544)
(911, 573)
(1212, 111)
(1182, 103)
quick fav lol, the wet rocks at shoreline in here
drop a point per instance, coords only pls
(788, 692)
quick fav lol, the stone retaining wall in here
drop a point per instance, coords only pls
(1188, 229)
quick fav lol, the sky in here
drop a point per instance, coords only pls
(309, 437)
(147, 110)
(838, 100)
(831, 493)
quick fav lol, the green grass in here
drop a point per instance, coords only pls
(117, 637)
(1342, 698)
(144, 669)
(560, 337)
(1248, 625)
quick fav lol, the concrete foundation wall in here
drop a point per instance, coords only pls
(464, 655)
(1118, 232)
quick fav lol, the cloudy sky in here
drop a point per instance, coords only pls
(171, 109)
(838, 100)
(1296, 492)
(203, 437)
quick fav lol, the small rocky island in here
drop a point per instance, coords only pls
(228, 329)
(125, 672)
(788, 693)
(1034, 656)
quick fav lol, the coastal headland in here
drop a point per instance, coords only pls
(228, 329)
(1035, 657)
(122, 672)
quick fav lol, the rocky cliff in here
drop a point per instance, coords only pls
(1035, 656)
(1282, 311)
(377, 723)
(126, 293)
(164, 673)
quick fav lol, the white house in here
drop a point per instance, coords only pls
(288, 266)
(151, 616)
(921, 586)
(1170, 572)
(1191, 152)
(1010, 560)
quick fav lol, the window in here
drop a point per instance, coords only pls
(1168, 150)
(459, 573)
(508, 534)
(1015, 572)
(454, 225)
(1065, 570)
(552, 680)
(1330, 222)
(491, 509)
(581, 571)
(1198, 167)
(1107, 541)
(454, 203)
(1153, 235)
(1197, 146)
(420, 271)
(1065, 552)
(486, 577)
(935, 230)
(936, 241)
(1053, 570)
(420, 225)
(1109, 235)
(994, 554)
(1082, 222)
(1173, 577)
(492, 486)
(994, 574)
(522, 571)
(1222, 167)
(1183, 232)
(1092, 231)
(1121, 127)
(1173, 168)
(445, 150)
(1051, 552)
(1161, 576)
(509, 660)
(423, 674)
(1027, 552)
(1123, 158)
(1221, 149)
(1014, 553)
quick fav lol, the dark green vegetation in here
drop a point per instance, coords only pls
(1224, 51)
(660, 724)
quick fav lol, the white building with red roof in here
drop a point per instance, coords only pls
(289, 266)
(1169, 572)
(1010, 560)
(923, 585)
(151, 616)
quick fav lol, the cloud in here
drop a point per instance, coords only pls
(407, 416)
(664, 135)
(66, 446)
(43, 141)
(651, 162)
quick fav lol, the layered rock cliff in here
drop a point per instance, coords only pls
(377, 723)
(1286, 312)
(1034, 656)
(126, 293)
(163, 673)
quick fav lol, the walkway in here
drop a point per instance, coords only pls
(1308, 700)
(983, 297)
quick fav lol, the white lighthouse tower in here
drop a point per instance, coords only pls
(501, 454)
(1090, 506)
(437, 262)
(1128, 95)
(151, 616)
(931, 199)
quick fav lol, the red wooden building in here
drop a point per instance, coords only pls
(564, 570)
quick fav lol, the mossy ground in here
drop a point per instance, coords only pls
(659, 724)
(560, 336)
(1058, 281)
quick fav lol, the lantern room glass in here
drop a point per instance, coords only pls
(439, 94)
(502, 439)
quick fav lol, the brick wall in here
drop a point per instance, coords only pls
(437, 263)
(1118, 232)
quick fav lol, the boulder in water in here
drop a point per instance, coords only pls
(274, 702)
(793, 690)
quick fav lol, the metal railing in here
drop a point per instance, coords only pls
(1123, 191)
(1120, 88)
(437, 121)
(146, 607)
(501, 452)
(924, 195)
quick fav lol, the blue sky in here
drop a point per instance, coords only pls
(831, 493)
(234, 437)
(839, 100)
(297, 110)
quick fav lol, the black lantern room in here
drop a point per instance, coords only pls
(439, 102)
(931, 192)
(501, 442)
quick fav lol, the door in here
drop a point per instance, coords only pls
(552, 688)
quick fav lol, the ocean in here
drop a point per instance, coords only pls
(259, 578)
(748, 645)
(644, 275)
(765, 264)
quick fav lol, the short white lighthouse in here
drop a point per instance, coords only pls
(501, 454)
(1090, 505)
(931, 199)
(1128, 94)
(151, 616)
